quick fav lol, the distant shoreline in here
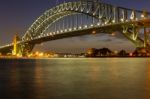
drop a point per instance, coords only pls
(73, 57)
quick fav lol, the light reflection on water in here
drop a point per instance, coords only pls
(103, 78)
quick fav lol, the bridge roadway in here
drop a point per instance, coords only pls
(108, 28)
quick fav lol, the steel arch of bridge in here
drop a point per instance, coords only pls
(107, 13)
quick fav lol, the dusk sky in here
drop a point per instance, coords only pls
(17, 16)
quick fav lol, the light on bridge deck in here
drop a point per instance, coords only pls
(92, 25)
(54, 33)
(122, 19)
(85, 26)
(106, 22)
(57, 31)
(75, 28)
(113, 21)
(70, 29)
(80, 27)
(61, 31)
(65, 30)
(98, 24)
(144, 15)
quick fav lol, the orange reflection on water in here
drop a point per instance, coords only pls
(14, 76)
(14, 80)
(94, 70)
(39, 83)
(38, 75)
(113, 69)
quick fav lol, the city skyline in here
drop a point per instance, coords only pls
(18, 15)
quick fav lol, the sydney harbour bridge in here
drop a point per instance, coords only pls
(79, 18)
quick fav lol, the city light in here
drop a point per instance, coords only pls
(93, 32)
(130, 54)
(113, 34)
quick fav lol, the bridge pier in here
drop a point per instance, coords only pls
(16, 49)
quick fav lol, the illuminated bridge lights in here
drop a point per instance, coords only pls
(103, 24)
(122, 20)
(50, 33)
(57, 32)
(54, 33)
(39, 36)
(98, 24)
(80, 27)
(131, 17)
(113, 21)
(65, 30)
(85, 26)
(142, 16)
(75, 28)
(70, 29)
(127, 20)
(61, 31)
(92, 25)
(136, 19)
(106, 22)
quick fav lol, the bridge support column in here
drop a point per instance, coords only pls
(145, 37)
(16, 47)
(142, 46)
(131, 32)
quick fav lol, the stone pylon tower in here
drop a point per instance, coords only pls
(16, 48)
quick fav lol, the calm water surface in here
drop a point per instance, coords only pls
(104, 78)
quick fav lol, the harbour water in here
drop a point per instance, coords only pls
(75, 78)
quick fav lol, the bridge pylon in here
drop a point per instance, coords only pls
(16, 51)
